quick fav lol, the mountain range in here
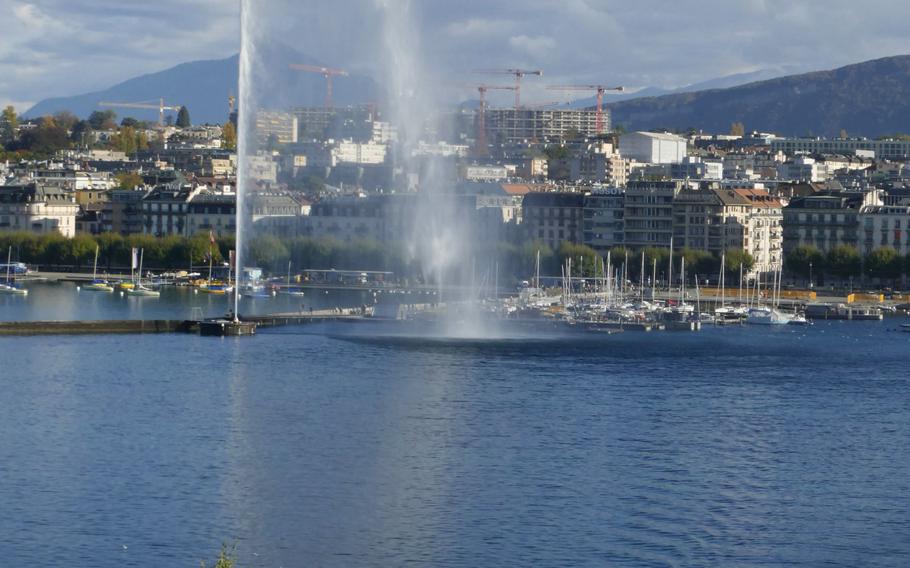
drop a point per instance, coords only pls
(204, 87)
(870, 98)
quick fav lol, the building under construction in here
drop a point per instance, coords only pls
(505, 125)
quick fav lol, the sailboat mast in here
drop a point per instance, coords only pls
(653, 278)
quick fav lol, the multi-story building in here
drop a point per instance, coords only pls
(603, 218)
(653, 147)
(123, 213)
(886, 149)
(207, 212)
(165, 208)
(825, 219)
(38, 210)
(505, 125)
(718, 220)
(275, 125)
(277, 214)
(553, 218)
(648, 213)
(884, 227)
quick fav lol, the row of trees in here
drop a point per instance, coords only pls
(512, 261)
(845, 262)
(64, 130)
(114, 250)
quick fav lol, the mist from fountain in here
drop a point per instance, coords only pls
(435, 227)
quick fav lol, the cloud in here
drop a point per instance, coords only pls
(62, 47)
(537, 46)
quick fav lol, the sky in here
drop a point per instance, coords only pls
(67, 47)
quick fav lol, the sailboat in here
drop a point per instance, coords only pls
(288, 291)
(767, 315)
(139, 290)
(8, 287)
(213, 286)
(98, 285)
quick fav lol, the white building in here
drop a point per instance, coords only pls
(354, 153)
(884, 226)
(37, 210)
(653, 147)
(485, 173)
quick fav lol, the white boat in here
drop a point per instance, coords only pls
(288, 290)
(767, 316)
(139, 290)
(98, 285)
(9, 287)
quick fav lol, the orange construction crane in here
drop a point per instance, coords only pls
(517, 73)
(160, 107)
(600, 89)
(326, 72)
(481, 137)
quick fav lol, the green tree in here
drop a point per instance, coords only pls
(128, 180)
(805, 259)
(81, 250)
(183, 118)
(10, 117)
(65, 119)
(229, 136)
(844, 261)
(736, 258)
(45, 140)
(884, 264)
(270, 253)
(103, 120)
(129, 121)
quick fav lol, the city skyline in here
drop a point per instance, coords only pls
(49, 41)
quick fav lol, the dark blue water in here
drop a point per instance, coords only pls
(729, 447)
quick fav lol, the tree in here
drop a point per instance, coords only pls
(46, 140)
(125, 140)
(229, 136)
(128, 180)
(65, 119)
(736, 258)
(10, 117)
(803, 260)
(183, 118)
(844, 261)
(884, 264)
(129, 121)
(737, 129)
(82, 134)
(81, 249)
(103, 120)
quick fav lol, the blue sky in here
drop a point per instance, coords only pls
(65, 47)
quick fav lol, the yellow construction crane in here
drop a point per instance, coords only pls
(160, 107)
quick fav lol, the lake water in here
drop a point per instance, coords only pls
(732, 446)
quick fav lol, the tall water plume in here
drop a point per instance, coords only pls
(437, 237)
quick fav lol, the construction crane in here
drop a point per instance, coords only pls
(326, 72)
(160, 107)
(599, 89)
(481, 137)
(517, 73)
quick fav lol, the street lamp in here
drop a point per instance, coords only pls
(810, 274)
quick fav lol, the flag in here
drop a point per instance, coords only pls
(135, 263)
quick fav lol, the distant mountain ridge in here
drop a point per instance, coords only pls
(204, 86)
(869, 99)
